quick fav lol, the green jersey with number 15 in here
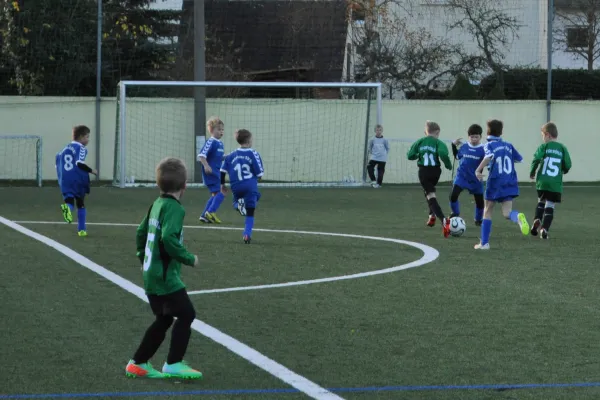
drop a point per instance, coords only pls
(159, 242)
(554, 160)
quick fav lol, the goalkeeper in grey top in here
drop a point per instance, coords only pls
(378, 149)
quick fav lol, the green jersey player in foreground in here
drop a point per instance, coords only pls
(555, 161)
(160, 250)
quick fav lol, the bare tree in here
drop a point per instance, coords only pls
(407, 56)
(577, 29)
(491, 27)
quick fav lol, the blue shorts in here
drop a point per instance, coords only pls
(212, 182)
(474, 187)
(251, 195)
(75, 190)
(501, 192)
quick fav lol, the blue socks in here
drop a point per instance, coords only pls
(486, 226)
(486, 230)
(71, 206)
(81, 214)
(478, 214)
(208, 204)
(248, 226)
(455, 207)
(216, 202)
(213, 203)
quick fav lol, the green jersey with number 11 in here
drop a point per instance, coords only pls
(159, 242)
(555, 161)
(428, 151)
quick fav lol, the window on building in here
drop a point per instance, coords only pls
(577, 37)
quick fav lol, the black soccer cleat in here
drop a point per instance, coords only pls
(535, 227)
(543, 233)
(478, 223)
(247, 239)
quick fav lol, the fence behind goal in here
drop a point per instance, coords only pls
(21, 160)
(308, 134)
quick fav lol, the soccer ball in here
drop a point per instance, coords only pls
(457, 226)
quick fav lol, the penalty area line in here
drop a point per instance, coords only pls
(268, 365)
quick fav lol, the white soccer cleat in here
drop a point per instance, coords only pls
(480, 246)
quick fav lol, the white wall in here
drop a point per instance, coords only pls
(300, 140)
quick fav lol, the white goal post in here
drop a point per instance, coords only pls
(308, 133)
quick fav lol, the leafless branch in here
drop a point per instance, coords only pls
(578, 14)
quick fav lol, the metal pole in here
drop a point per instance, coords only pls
(98, 86)
(366, 141)
(199, 91)
(549, 50)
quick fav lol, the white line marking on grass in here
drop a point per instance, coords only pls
(429, 255)
(272, 367)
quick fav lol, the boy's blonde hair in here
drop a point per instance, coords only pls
(551, 129)
(378, 126)
(171, 175)
(213, 122)
(432, 127)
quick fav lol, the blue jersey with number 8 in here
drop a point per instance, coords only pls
(73, 181)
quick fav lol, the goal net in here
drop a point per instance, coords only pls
(308, 134)
(21, 160)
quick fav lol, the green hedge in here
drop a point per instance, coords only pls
(524, 84)
(567, 84)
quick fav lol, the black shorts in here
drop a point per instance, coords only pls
(429, 177)
(545, 195)
(176, 304)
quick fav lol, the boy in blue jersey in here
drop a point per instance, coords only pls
(502, 184)
(245, 168)
(470, 156)
(73, 177)
(211, 158)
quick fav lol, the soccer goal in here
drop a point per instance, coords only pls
(21, 159)
(308, 134)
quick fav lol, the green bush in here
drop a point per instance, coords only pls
(567, 84)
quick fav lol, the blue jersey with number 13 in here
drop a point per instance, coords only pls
(244, 167)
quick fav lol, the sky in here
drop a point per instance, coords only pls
(166, 4)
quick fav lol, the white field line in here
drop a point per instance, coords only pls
(299, 382)
(429, 255)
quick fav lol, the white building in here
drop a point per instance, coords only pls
(529, 48)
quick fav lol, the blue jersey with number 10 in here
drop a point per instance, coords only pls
(73, 181)
(502, 183)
